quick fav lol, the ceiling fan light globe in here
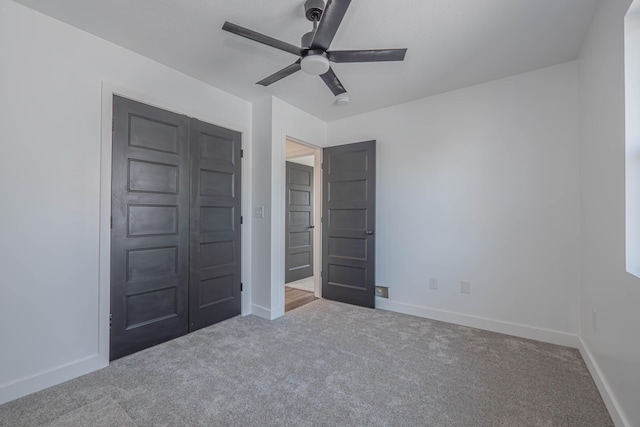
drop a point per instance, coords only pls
(315, 64)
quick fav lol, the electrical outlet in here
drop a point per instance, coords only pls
(465, 288)
(433, 283)
(382, 291)
(594, 320)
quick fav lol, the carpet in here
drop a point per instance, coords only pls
(328, 364)
(104, 412)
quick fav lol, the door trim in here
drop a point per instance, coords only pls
(104, 233)
(317, 213)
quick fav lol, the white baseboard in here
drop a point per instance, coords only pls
(615, 411)
(277, 312)
(22, 387)
(265, 313)
(529, 332)
(260, 311)
(523, 331)
(19, 388)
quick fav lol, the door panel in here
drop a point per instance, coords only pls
(150, 227)
(299, 222)
(175, 242)
(349, 224)
(214, 282)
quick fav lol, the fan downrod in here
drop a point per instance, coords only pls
(313, 9)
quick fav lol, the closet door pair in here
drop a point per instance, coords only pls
(175, 226)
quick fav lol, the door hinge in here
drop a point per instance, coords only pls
(111, 221)
(321, 220)
(110, 320)
(240, 286)
(113, 124)
(322, 165)
(320, 273)
(241, 220)
(241, 154)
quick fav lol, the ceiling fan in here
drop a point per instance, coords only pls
(314, 53)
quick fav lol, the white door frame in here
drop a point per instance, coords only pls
(317, 209)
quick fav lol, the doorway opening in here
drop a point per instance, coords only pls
(343, 228)
(303, 207)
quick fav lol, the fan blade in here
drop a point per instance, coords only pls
(372, 55)
(287, 71)
(332, 81)
(261, 38)
(329, 22)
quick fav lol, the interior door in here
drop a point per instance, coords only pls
(214, 282)
(175, 238)
(150, 227)
(348, 223)
(299, 222)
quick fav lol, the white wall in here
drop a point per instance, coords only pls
(269, 163)
(288, 122)
(613, 348)
(261, 227)
(481, 185)
(51, 78)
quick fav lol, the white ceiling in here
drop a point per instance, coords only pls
(451, 43)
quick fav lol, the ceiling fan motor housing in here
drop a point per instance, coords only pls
(313, 9)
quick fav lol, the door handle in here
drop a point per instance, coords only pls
(370, 232)
(312, 226)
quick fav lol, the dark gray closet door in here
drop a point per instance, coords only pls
(299, 222)
(214, 283)
(348, 231)
(150, 227)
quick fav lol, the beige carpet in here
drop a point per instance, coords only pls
(328, 364)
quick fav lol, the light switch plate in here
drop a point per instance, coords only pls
(465, 287)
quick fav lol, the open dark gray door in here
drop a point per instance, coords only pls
(299, 223)
(348, 230)
(214, 282)
(150, 226)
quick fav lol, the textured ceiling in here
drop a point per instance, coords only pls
(451, 43)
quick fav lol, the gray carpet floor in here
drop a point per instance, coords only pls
(328, 364)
